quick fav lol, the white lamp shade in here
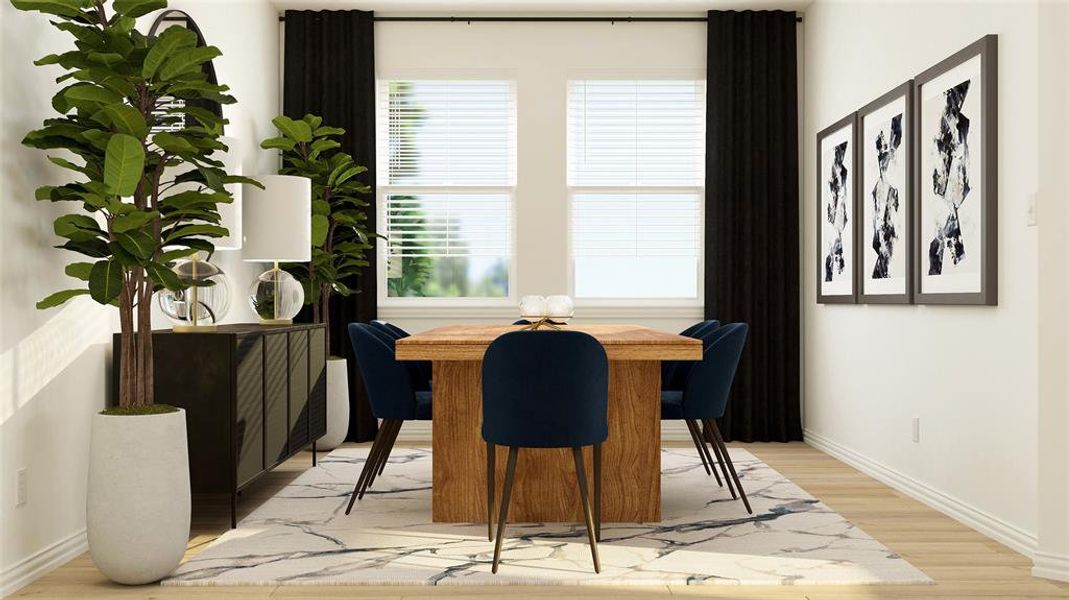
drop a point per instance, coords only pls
(277, 220)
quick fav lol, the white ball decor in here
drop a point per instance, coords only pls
(560, 309)
(533, 308)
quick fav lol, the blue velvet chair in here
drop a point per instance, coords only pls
(674, 374)
(704, 397)
(392, 396)
(420, 370)
(545, 389)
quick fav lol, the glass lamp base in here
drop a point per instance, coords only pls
(194, 328)
(276, 321)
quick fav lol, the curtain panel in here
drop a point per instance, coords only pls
(329, 70)
(752, 214)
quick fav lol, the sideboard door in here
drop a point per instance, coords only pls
(298, 389)
(276, 398)
(317, 370)
(249, 400)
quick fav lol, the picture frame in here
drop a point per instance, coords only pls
(885, 191)
(836, 238)
(956, 178)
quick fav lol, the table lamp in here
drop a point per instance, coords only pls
(205, 300)
(277, 223)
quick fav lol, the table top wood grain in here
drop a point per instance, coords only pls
(621, 342)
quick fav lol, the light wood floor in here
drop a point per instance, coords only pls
(963, 563)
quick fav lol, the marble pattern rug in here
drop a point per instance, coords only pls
(302, 536)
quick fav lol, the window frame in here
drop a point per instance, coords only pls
(383, 189)
(698, 300)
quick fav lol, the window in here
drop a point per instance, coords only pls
(446, 187)
(636, 182)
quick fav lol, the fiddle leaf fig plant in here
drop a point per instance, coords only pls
(143, 185)
(340, 234)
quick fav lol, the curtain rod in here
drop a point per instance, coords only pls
(470, 20)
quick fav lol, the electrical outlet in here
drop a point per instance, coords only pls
(916, 430)
(20, 487)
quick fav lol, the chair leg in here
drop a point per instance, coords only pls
(391, 436)
(597, 491)
(490, 468)
(580, 474)
(700, 440)
(708, 436)
(389, 449)
(506, 496)
(698, 445)
(372, 455)
(711, 424)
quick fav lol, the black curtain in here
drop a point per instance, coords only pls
(751, 217)
(329, 70)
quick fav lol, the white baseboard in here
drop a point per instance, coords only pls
(35, 566)
(1016, 538)
(1050, 566)
(419, 432)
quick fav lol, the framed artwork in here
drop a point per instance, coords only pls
(956, 235)
(836, 212)
(885, 198)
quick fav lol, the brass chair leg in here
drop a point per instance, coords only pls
(699, 439)
(372, 455)
(698, 445)
(597, 491)
(391, 435)
(490, 491)
(580, 473)
(727, 458)
(708, 434)
(506, 496)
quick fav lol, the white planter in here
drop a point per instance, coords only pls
(337, 405)
(138, 503)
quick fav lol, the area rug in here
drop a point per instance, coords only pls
(302, 536)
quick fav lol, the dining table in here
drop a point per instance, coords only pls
(545, 489)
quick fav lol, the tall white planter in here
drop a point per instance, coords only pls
(337, 404)
(138, 504)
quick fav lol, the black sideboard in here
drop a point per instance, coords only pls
(254, 396)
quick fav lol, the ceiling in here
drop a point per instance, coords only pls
(535, 7)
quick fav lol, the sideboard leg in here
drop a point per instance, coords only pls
(233, 509)
(313, 454)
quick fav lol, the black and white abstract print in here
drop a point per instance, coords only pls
(950, 183)
(885, 188)
(837, 202)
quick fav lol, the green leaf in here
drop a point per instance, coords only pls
(94, 248)
(134, 220)
(173, 144)
(320, 207)
(105, 281)
(171, 40)
(124, 119)
(81, 93)
(173, 255)
(320, 227)
(241, 179)
(77, 227)
(60, 8)
(137, 8)
(138, 243)
(346, 175)
(124, 161)
(279, 143)
(59, 298)
(164, 276)
(321, 131)
(298, 131)
(79, 270)
(187, 60)
(201, 230)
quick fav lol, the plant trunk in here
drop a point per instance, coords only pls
(145, 384)
(127, 354)
(324, 312)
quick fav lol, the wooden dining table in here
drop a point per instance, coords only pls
(545, 489)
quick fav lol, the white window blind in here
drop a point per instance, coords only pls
(636, 133)
(450, 133)
(636, 153)
(446, 180)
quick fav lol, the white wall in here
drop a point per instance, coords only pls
(1052, 551)
(541, 58)
(968, 373)
(53, 364)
